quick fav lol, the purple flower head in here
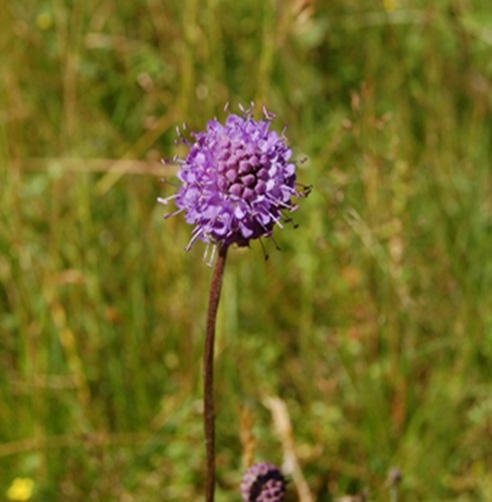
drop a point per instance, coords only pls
(235, 181)
(263, 482)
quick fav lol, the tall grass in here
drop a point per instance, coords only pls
(373, 324)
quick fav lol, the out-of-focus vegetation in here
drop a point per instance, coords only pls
(374, 323)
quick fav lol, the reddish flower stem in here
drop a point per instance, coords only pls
(208, 373)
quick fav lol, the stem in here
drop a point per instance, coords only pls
(208, 373)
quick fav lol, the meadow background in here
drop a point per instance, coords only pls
(373, 325)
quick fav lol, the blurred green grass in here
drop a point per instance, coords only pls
(374, 323)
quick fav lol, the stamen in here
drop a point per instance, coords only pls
(290, 220)
(194, 239)
(212, 256)
(254, 215)
(265, 254)
(277, 247)
(166, 200)
(247, 112)
(276, 202)
(275, 219)
(268, 115)
(204, 259)
(167, 182)
(167, 216)
(306, 189)
(278, 223)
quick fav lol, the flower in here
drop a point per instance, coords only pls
(235, 181)
(263, 482)
(21, 489)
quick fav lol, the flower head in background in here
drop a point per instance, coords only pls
(20, 490)
(263, 482)
(236, 181)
